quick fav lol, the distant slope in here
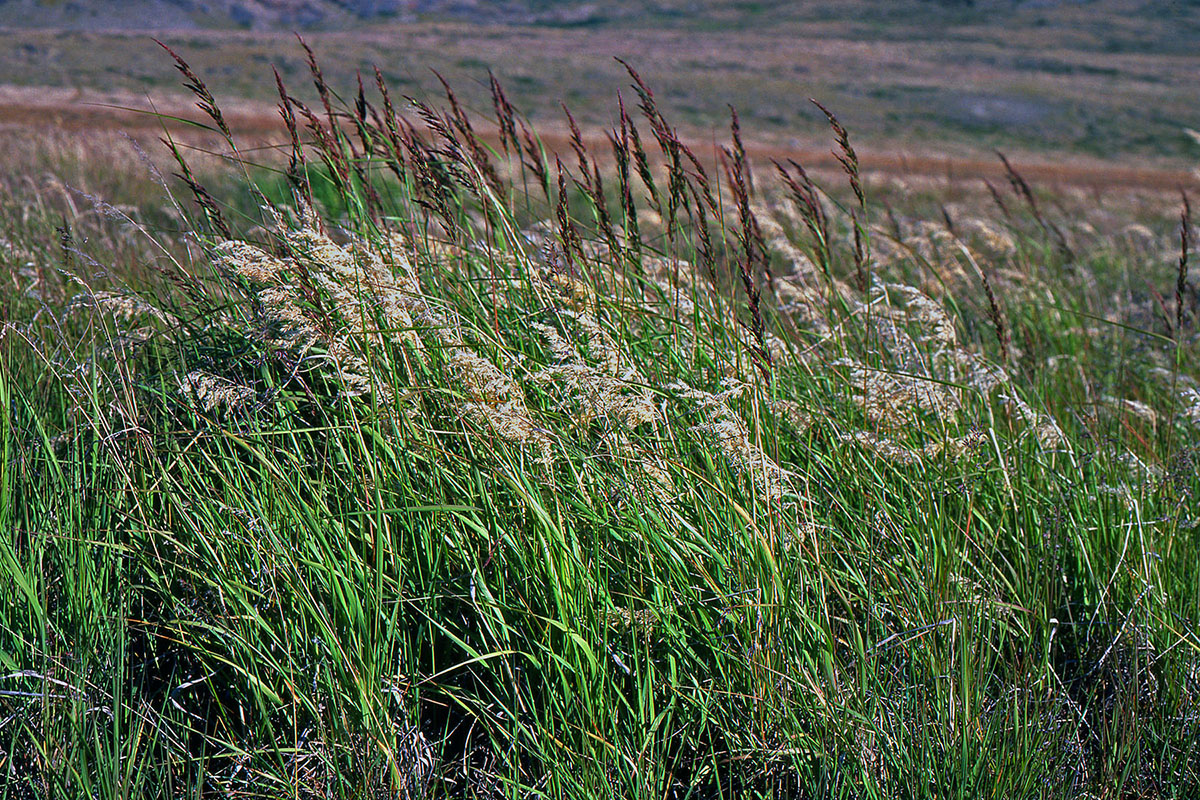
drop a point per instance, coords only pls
(1127, 24)
(309, 14)
(185, 14)
(1101, 78)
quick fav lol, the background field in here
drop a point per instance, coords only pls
(1110, 79)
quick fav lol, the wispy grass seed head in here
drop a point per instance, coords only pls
(720, 426)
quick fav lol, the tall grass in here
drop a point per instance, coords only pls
(448, 469)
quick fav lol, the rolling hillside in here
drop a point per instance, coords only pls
(1106, 79)
(1152, 25)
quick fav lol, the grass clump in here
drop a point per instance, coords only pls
(504, 481)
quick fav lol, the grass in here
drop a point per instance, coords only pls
(456, 470)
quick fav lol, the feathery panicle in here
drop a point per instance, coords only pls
(642, 621)
(129, 306)
(599, 391)
(213, 392)
(362, 296)
(808, 209)
(505, 115)
(205, 100)
(496, 401)
(776, 240)
(897, 400)
(481, 379)
(847, 157)
(889, 450)
(728, 434)
(1043, 427)
(936, 325)
(534, 159)
(994, 239)
(1133, 407)
(995, 314)
(1190, 402)
(799, 415)
(250, 262)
